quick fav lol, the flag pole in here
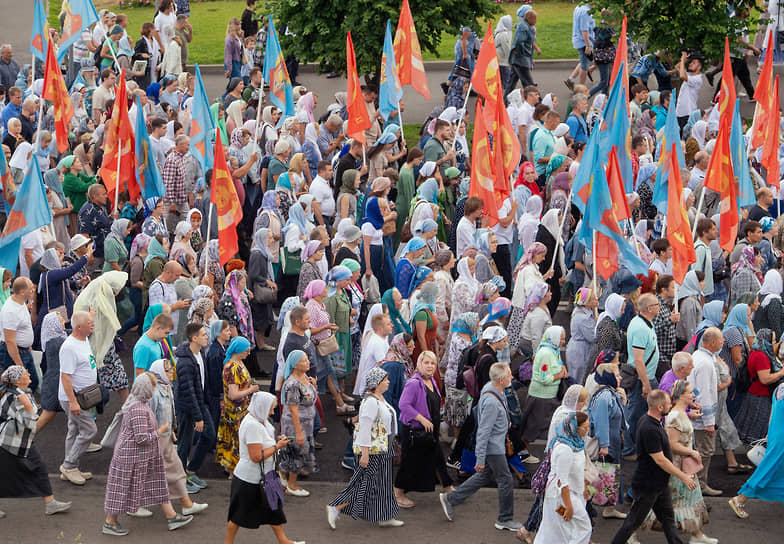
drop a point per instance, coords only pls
(209, 226)
(676, 297)
(593, 256)
(634, 236)
(560, 230)
(364, 156)
(699, 210)
(461, 114)
(117, 187)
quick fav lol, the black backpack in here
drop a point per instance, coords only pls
(743, 379)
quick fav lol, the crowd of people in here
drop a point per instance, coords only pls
(432, 332)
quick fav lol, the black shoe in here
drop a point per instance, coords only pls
(590, 76)
(265, 374)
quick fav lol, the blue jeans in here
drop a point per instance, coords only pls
(135, 295)
(205, 442)
(635, 408)
(604, 80)
(585, 62)
(27, 361)
(236, 68)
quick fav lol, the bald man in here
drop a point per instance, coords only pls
(162, 290)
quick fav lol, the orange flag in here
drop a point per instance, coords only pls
(762, 96)
(506, 145)
(678, 229)
(770, 149)
(358, 119)
(227, 206)
(615, 183)
(56, 92)
(119, 140)
(408, 54)
(622, 56)
(727, 94)
(720, 178)
(482, 171)
(486, 79)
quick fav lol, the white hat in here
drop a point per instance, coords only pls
(78, 240)
(561, 130)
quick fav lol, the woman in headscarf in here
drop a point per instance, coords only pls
(311, 255)
(528, 224)
(549, 234)
(297, 231)
(234, 122)
(115, 252)
(181, 246)
(237, 389)
(393, 302)
(213, 274)
(23, 473)
(136, 259)
(234, 306)
(536, 319)
(595, 112)
(770, 314)
(399, 367)
(526, 275)
(220, 336)
(466, 288)
(608, 333)
(373, 245)
(75, 183)
(644, 125)
(426, 205)
(746, 275)
(739, 336)
(261, 275)
(157, 256)
(424, 323)
(136, 477)
(218, 112)
(311, 149)
(583, 334)
(249, 505)
(698, 132)
(338, 305)
(369, 494)
(465, 329)
(298, 397)
(406, 267)
(346, 203)
(154, 222)
(690, 303)
(99, 296)
(443, 263)
(53, 285)
(52, 337)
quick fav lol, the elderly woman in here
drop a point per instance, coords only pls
(23, 473)
(234, 306)
(548, 371)
(373, 244)
(298, 399)
(255, 470)
(182, 242)
(136, 477)
(526, 275)
(536, 319)
(464, 334)
(608, 333)
(442, 266)
(746, 275)
(346, 202)
(261, 275)
(406, 267)
(53, 284)
(770, 314)
(162, 406)
(690, 303)
(583, 330)
(312, 253)
(212, 272)
(237, 389)
(369, 494)
(424, 323)
(422, 462)
(154, 222)
(338, 305)
(393, 302)
(52, 337)
(114, 250)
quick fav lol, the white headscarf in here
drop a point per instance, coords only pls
(568, 406)
(550, 222)
(158, 368)
(376, 309)
(260, 405)
(698, 133)
(504, 24)
(548, 101)
(516, 98)
(613, 308)
(771, 286)
(51, 328)
(529, 222)
(465, 275)
(21, 157)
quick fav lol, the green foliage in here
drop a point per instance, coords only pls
(320, 26)
(682, 24)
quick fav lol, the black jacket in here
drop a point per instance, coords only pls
(190, 391)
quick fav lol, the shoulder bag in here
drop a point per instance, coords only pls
(264, 294)
(291, 261)
(270, 485)
(379, 436)
(89, 397)
(328, 346)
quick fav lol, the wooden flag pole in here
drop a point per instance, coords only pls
(461, 114)
(634, 236)
(676, 298)
(699, 210)
(117, 186)
(560, 230)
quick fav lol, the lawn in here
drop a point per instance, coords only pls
(209, 27)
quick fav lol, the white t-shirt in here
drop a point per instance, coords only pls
(252, 431)
(687, 99)
(504, 235)
(374, 350)
(526, 114)
(200, 363)
(164, 293)
(376, 235)
(161, 22)
(77, 360)
(99, 35)
(16, 317)
(465, 235)
(322, 192)
(31, 240)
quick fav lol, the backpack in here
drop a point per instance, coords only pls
(743, 379)
(694, 343)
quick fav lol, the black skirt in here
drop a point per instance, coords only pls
(248, 506)
(23, 477)
(422, 463)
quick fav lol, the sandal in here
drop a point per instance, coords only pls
(738, 469)
(739, 509)
(524, 535)
(405, 502)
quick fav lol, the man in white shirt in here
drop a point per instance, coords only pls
(691, 74)
(526, 119)
(504, 232)
(77, 371)
(162, 291)
(16, 330)
(700, 168)
(466, 227)
(157, 129)
(32, 249)
(662, 264)
(374, 349)
(103, 94)
(705, 382)
(322, 193)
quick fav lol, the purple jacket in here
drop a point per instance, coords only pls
(413, 401)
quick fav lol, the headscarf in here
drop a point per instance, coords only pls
(764, 342)
(605, 356)
(772, 287)
(11, 375)
(442, 257)
(241, 304)
(351, 264)
(199, 309)
(711, 314)
(284, 183)
(216, 327)
(158, 369)
(537, 248)
(425, 225)
(554, 164)
(237, 134)
(535, 296)
(297, 218)
(548, 101)
(314, 289)
(747, 260)
(373, 213)
(239, 344)
(347, 182)
(337, 274)
(51, 328)
(141, 393)
(482, 241)
(292, 360)
(212, 251)
(20, 159)
(153, 92)
(394, 314)
(646, 174)
(531, 185)
(155, 249)
(311, 135)
(51, 261)
(425, 301)
(560, 183)
(421, 274)
(398, 352)
(464, 274)
(613, 308)
(427, 169)
(118, 228)
(486, 290)
(567, 433)
(306, 200)
(582, 296)
(698, 133)
(494, 334)
(498, 309)
(140, 242)
(260, 405)
(269, 202)
(260, 241)
(373, 378)
(482, 271)
(690, 287)
(414, 244)
(310, 249)
(100, 295)
(529, 221)
(738, 317)
(550, 222)
(467, 323)
(428, 191)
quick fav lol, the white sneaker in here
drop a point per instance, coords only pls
(332, 516)
(140, 513)
(299, 492)
(94, 448)
(704, 539)
(391, 523)
(531, 460)
(633, 539)
(195, 509)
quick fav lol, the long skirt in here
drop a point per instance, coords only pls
(134, 482)
(536, 418)
(23, 477)
(752, 418)
(515, 327)
(688, 507)
(369, 494)
(422, 465)
(554, 529)
(248, 506)
(728, 438)
(172, 465)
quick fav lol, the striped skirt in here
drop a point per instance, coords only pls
(369, 494)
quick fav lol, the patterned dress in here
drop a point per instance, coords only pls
(228, 447)
(295, 458)
(136, 475)
(112, 375)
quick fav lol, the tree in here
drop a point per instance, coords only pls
(320, 26)
(675, 25)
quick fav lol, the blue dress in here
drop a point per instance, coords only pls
(403, 274)
(767, 482)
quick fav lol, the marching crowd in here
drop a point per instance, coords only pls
(431, 331)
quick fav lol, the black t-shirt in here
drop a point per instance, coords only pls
(296, 341)
(757, 212)
(651, 438)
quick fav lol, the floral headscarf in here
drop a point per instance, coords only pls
(747, 260)
(764, 342)
(241, 303)
(140, 242)
(51, 328)
(536, 295)
(398, 351)
(467, 323)
(537, 248)
(567, 434)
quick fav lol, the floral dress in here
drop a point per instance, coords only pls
(445, 285)
(228, 447)
(456, 406)
(112, 375)
(295, 458)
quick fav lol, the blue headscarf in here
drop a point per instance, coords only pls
(284, 182)
(388, 136)
(690, 287)
(373, 213)
(482, 241)
(291, 361)
(338, 273)
(422, 272)
(215, 329)
(425, 225)
(429, 191)
(523, 10)
(414, 244)
(288, 305)
(738, 317)
(567, 434)
(466, 324)
(239, 344)
(425, 301)
(154, 91)
(711, 314)
(149, 206)
(269, 202)
(647, 171)
(297, 217)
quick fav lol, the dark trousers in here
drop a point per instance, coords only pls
(135, 295)
(661, 504)
(741, 71)
(205, 441)
(604, 80)
(502, 258)
(27, 360)
(521, 73)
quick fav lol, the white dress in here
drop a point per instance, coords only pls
(567, 467)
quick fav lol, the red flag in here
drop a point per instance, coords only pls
(119, 140)
(482, 171)
(615, 183)
(56, 92)
(726, 96)
(408, 55)
(622, 56)
(770, 149)
(227, 206)
(720, 178)
(486, 79)
(678, 229)
(358, 119)
(506, 146)
(606, 256)
(762, 96)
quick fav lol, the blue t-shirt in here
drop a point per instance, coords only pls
(146, 352)
(577, 128)
(582, 20)
(642, 335)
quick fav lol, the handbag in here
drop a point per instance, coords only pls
(112, 431)
(291, 262)
(271, 486)
(328, 346)
(690, 466)
(379, 437)
(89, 397)
(757, 452)
(418, 436)
(539, 479)
(604, 55)
(607, 484)
(264, 295)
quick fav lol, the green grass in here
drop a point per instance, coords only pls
(209, 19)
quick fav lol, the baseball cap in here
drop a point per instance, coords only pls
(79, 240)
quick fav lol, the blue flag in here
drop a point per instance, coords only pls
(277, 76)
(389, 91)
(672, 134)
(30, 211)
(40, 35)
(740, 162)
(202, 126)
(149, 174)
(617, 131)
(79, 14)
(581, 186)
